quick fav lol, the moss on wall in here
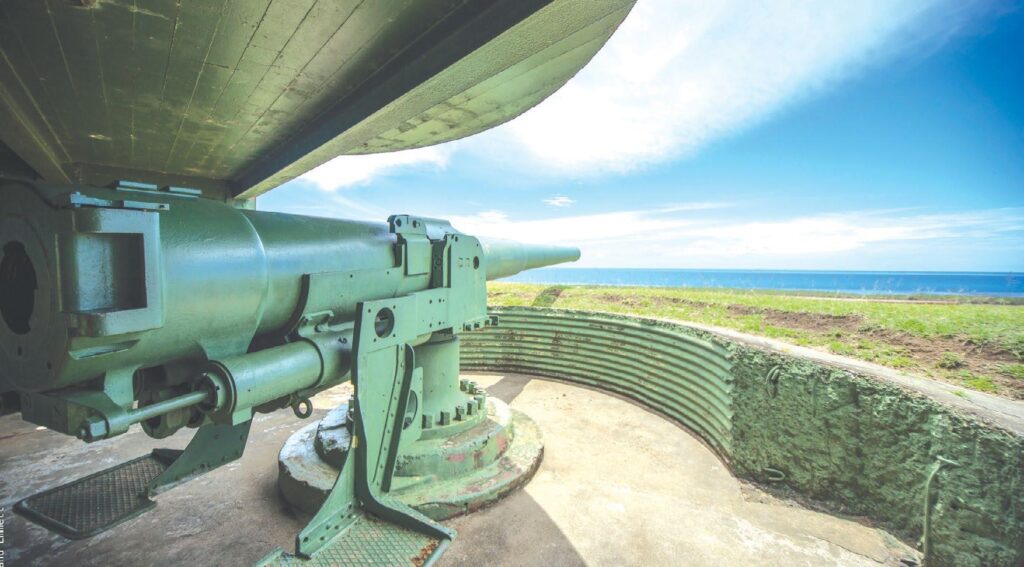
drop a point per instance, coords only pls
(865, 447)
(857, 443)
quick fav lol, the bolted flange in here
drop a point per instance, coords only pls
(442, 476)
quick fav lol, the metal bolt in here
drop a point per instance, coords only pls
(92, 429)
(446, 418)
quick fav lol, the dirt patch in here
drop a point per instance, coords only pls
(925, 353)
(855, 325)
(801, 320)
(548, 296)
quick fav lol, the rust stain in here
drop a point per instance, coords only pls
(420, 558)
(13, 435)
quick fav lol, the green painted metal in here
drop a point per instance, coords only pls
(371, 543)
(439, 476)
(130, 289)
(851, 441)
(673, 372)
(146, 305)
(213, 445)
(509, 258)
(238, 97)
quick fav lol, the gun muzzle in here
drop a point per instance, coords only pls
(504, 258)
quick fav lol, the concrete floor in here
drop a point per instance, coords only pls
(618, 486)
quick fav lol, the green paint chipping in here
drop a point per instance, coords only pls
(859, 444)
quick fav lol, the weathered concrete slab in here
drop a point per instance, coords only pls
(618, 486)
(622, 486)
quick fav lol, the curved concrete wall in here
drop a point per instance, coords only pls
(675, 373)
(861, 441)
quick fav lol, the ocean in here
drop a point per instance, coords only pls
(865, 283)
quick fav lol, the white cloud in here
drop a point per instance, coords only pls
(679, 74)
(839, 233)
(559, 201)
(578, 229)
(344, 171)
(672, 238)
(594, 228)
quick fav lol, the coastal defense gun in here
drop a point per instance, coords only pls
(146, 305)
(172, 304)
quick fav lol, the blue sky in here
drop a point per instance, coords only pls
(863, 135)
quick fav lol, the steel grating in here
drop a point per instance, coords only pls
(662, 365)
(97, 502)
(369, 542)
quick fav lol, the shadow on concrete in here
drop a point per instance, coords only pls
(488, 537)
(508, 388)
(232, 516)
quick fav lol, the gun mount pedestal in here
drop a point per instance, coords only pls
(464, 449)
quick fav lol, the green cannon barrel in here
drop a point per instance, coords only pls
(139, 297)
(96, 280)
(505, 258)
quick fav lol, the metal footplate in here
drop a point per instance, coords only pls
(93, 504)
(368, 541)
(100, 501)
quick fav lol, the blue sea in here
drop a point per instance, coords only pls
(866, 283)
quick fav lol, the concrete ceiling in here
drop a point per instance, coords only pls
(237, 97)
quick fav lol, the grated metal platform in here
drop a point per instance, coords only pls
(95, 503)
(367, 542)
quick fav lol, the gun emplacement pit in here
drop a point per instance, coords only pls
(618, 485)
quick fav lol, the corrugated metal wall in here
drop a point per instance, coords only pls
(652, 362)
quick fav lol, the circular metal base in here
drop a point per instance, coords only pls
(441, 477)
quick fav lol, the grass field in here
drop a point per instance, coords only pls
(978, 345)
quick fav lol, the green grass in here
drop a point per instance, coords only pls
(983, 337)
(950, 361)
(980, 383)
(1015, 371)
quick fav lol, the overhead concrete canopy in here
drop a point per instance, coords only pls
(236, 97)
